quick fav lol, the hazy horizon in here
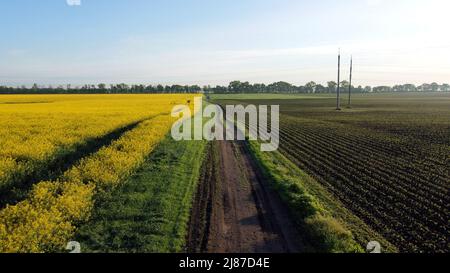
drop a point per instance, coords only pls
(215, 42)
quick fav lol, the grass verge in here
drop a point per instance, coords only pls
(149, 212)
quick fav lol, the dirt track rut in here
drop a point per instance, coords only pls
(235, 211)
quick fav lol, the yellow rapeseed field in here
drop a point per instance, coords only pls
(34, 128)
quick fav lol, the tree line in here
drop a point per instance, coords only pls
(234, 87)
(313, 87)
(102, 89)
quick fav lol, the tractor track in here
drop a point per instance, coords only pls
(235, 211)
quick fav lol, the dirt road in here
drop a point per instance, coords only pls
(235, 211)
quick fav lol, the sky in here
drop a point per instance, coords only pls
(216, 41)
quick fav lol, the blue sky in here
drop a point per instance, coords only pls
(216, 41)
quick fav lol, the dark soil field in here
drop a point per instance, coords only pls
(386, 159)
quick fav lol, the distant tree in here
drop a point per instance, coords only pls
(332, 87)
(434, 87)
(246, 87)
(409, 87)
(150, 89)
(112, 88)
(259, 88)
(122, 87)
(220, 89)
(358, 89)
(159, 88)
(345, 85)
(280, 87)
(382, 89)
(176, 88)
(194, 89)
(207, 89)
(234, 87)
(311, 87)
(320, 89)
(425, 87)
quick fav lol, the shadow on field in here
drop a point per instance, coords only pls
(13, 193)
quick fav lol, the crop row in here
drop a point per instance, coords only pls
(393, 191)
(407, 205)
(375, 163)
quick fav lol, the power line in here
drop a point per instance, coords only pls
(338, 91)
(350, 84)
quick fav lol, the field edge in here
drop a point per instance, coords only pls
(329, 225)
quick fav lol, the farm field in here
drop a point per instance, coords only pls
(270, 96)
(386, 160)
(60, 154)
(43, 134)
(104, 171)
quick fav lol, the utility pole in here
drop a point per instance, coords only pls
(350, 85)
(338, 91)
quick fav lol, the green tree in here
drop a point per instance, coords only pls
(321, 89)
(434, 87)
(311, 87)
(332, 87)
(345, 85)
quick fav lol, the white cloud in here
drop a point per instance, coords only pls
(73, 2)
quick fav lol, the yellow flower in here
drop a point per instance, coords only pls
(33, 135)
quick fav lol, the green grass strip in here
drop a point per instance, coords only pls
(150, 212)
